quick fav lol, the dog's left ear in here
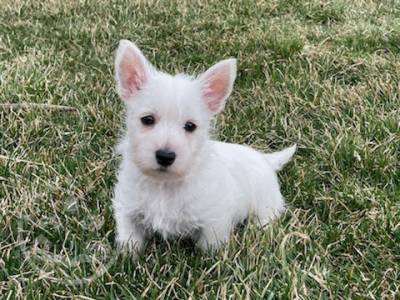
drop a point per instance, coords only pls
(216, 84)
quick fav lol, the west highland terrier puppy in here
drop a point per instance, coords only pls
(175, 180)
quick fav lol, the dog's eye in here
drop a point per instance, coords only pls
(148, 120)
(190, 126)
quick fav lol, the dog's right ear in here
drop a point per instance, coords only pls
(131, 70)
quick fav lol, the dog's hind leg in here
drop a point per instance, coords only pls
(269, 210)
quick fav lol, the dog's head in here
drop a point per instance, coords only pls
(168, 117)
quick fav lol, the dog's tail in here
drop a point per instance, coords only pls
(278, 159)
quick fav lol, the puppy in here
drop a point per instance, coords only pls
(175, 180)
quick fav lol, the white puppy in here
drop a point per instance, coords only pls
(173, 179)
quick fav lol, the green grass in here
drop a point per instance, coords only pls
(323, 74)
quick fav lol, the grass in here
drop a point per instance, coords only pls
(324, 74)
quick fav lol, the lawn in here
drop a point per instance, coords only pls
(322, 74)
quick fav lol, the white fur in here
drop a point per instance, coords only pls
(211, 186)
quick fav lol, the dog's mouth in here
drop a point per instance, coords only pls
(164, 173)
(161, 172)
(163, 169)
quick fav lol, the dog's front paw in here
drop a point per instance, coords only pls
(131, 246)
(129, 237)
(208, 245)
(212, 240)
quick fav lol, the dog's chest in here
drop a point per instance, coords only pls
(166, 215)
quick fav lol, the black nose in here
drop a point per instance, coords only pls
(165, 158)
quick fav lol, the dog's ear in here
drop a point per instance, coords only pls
(131, 69)
(216, 84)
